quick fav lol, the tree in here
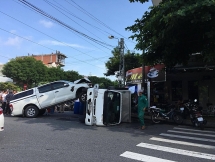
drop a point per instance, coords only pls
(9, 85)
(72, 75)
(103, 82)
(131, 60)
(55, 73)
(25, 70)
(174, 30)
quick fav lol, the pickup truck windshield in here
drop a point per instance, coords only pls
(112, 108)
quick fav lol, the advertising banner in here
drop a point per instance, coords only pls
(154, 73)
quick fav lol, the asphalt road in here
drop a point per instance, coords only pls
(62, 137)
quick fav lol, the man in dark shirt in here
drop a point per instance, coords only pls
(9, 97)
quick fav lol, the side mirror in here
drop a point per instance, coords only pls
(66, 85)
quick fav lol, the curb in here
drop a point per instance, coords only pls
(210, 123)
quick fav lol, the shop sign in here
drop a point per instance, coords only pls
(154, 73)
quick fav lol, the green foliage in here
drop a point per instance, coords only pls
(72, 75)
(103, 82)
(175, 29)
(131, 60)
(9, 85)
(54, 74)
(26, 70)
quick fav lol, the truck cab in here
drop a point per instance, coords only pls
(106, 107)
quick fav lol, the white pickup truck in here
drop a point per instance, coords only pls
(35, 101)
(107, 106)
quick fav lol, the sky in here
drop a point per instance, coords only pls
(77, 28)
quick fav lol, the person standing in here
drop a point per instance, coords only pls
(8, 98)
(142, 104)
(4, 101)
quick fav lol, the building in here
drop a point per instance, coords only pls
(156, 2)
(193, 81)
(52, 60)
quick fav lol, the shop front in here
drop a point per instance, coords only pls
(176, 85)
(154, 77)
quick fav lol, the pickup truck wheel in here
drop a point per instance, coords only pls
(83, 97)
(31, 111)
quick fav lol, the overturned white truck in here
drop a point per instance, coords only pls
(107, 106)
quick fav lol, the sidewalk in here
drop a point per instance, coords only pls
(210, 120)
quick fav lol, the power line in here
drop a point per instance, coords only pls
(49, 36)
(63, 24)
(96, 19)
(72, 14)
(43, 46)
(5, 57)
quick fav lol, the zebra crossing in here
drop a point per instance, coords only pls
(178, 136)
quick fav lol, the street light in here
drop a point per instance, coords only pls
(121, 76)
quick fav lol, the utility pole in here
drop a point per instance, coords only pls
(121, 63)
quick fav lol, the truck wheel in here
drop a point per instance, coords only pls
(31, 111)
(83, 97)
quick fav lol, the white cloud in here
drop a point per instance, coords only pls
(15, 41)
(56, 43)
(47, 24)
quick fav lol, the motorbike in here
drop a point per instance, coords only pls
(158, 114)
(195, 113)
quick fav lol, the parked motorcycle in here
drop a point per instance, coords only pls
(158, 114)
(195, 113)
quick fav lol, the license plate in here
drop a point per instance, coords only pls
(200, 119)
(182, 108)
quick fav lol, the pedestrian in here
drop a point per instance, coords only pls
(4, 94)
(8, 98)
(1, 92)
(61, 108)
(142, 104)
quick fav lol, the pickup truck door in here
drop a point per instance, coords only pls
(45, 95)
(62, 91)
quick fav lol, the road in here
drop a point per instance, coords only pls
(62, 137)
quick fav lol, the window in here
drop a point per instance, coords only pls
(45, 88)
(58, 85)
(176, 90)
(111, 112)
(23, 94)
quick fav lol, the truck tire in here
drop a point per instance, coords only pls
(31, 111)
(82, 97)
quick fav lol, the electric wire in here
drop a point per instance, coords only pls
(43, 46)
(60, 10)
(103, 31)
(71, 14)
(5, 57)
(50, 36)
(62, 23)
(96, 19)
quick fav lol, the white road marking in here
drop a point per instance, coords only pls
(203, 131)
(141, 157)
(187, 137)
(178, 151)
(182, 143)
(198, 134)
